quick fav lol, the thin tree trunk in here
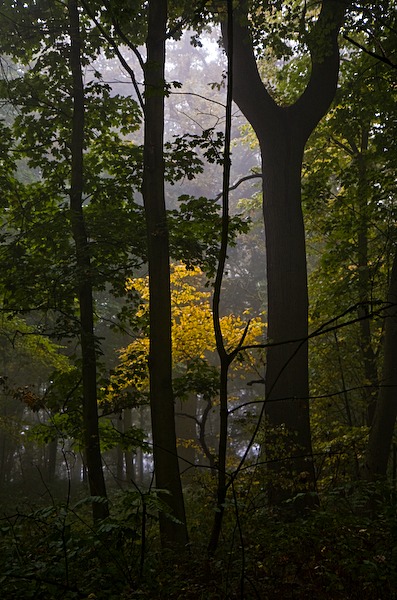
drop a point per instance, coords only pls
(345, 394)
(83, 273)
(119, 450)
(173, 530)
(187, 435)
(369, 357)
(206, 435)
(52, 451)
(224, 357)
(128, 454)
(384, 419)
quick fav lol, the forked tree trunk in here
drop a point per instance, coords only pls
(173, 530)
(83, 276)
(282, 133)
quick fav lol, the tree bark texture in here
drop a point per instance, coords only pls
(83, 274)
(282, 133)
(160, 355)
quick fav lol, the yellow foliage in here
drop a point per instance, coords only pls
(192, 326)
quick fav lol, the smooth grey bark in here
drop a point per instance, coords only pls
(83, 274)
(282, 133)
(173, 531)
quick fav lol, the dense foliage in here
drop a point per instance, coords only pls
(270, 513)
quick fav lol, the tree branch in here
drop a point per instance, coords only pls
(239, 182)
(119, 55)
(248, 89)
(381, 57)
(324, 53)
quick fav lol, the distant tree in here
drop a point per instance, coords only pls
(348, 194)
(194, 348)
(28, 362)
(385, 413)
(55, 119)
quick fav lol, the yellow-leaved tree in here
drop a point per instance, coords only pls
(194, 358)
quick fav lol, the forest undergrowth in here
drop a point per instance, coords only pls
(346, 548)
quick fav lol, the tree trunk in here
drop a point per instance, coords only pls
(173, 533)
(187, 436)
(119, 425)
(282, 133)
(368, 354)
(384, 419)
(52, 452)
(128, 455)
(224, 357)
(83, 273)
(288, 444)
